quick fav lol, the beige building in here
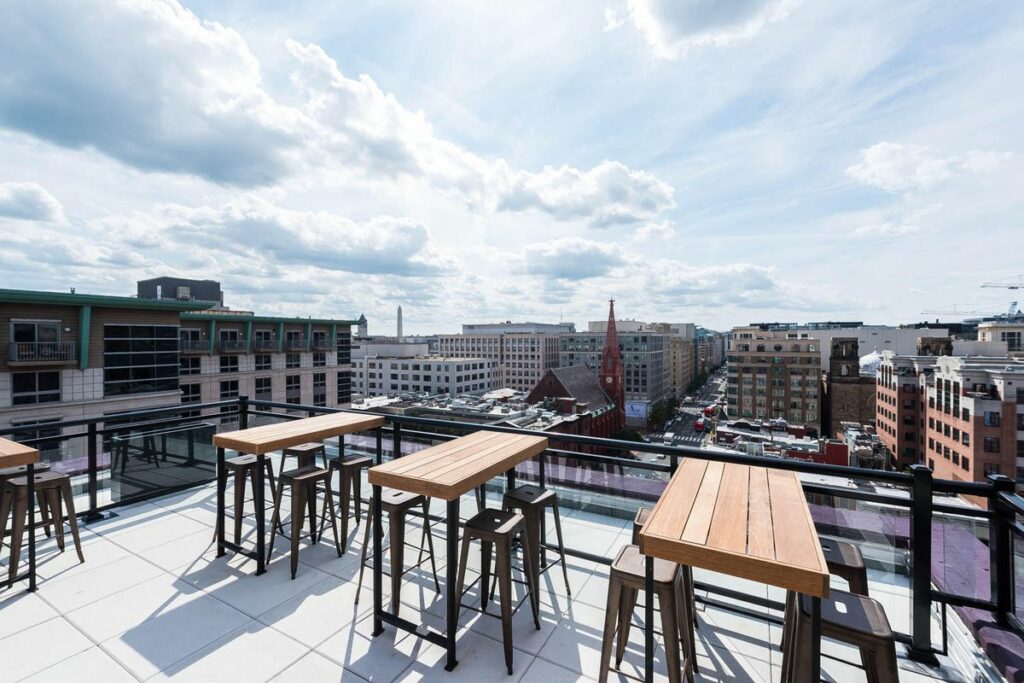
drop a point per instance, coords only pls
(383, 375)
(772, 374)
(520, 352)
(1009, 331)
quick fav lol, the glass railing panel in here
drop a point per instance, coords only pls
(960, 555)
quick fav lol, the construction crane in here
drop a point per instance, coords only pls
(955, 311)
(1019, 284)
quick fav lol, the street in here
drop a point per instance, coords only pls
(681, 425)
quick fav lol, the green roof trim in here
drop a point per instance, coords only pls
(265, 319)
(29, 296)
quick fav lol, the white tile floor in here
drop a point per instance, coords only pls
(152, 601)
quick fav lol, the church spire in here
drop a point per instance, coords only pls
(611, 368)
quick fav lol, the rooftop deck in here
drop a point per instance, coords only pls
(152, 601)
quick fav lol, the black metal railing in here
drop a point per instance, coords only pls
(42, 352)
(264, 344)
(193, 345)
(233, 346)
(603, 475)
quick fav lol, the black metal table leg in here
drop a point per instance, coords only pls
(451, 579)
(815, 643)
(510, 477)
(30, 471)
(649, 619)
(378, 571)
(222, 482)
(380, 445)
(261, 515)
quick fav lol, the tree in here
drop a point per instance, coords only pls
(627, 435)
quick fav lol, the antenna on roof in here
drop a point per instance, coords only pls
(72, 290)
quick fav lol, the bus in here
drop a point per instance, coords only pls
(669, 437)
(698, 426)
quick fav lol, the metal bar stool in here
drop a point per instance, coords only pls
(531, 501)
(396, 504)
(20, 471)
(243, 467)
(688, 583)
(853, 619)
(498, 528)
(846, 561)
(303, 482)
(306, 454)
(625, 581)
(350, 484)
(56, 490)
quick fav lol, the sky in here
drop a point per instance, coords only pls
(699, 161)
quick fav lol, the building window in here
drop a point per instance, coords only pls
(291, 360)
(345, 388)
(264, 389)
(229, 363)
(993, 419)
(992, 468)
(319, 359)
(191, 393)
(139, 359)
(320, 389)
(263, 361)
(228, 391)
(293, 389)
(991, 444)
(35, 387)
(42, 436)
(189, 365)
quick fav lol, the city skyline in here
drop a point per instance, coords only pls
(721, 167)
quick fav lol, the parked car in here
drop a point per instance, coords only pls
(698, 426)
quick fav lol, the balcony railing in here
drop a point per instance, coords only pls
(233, 346)
(321, 344)
(295, 343)
(898, 518)
(264, 344)
(193, 346)
(41, 352)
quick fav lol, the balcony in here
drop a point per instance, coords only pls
(295, 344)
(264, 345)
(321, 344)
(233, 346)
(153, 598)
(193, 346)
(42, 353)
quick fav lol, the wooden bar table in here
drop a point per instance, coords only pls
(742, 520)
(13, 454)
(272, 437)
(445, 471)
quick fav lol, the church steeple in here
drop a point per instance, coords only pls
(611, 368)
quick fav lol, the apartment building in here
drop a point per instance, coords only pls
(900, 405)
(225, 354)
(773, 374)
(645, 363)
(1010, 331)
(520, 352)
(71, 356)
(711, 347)
(382, 375)
(974, 418)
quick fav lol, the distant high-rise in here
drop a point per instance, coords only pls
(399, 322)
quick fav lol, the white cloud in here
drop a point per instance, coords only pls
(153, 86)
(887, 229)
(896, 167)
(570, 258)
(29, 201)
(673, 27)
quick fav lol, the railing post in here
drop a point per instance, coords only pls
(1000, 548)
(243, 412)
(921, 564)
(396, 441)
(91, 514)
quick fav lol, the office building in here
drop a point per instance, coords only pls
(383, 375)
(773, 374)
(520, 352)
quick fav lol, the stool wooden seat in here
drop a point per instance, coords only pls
(303, 482)
(639, 520)
(20, 471)
(846, 561)
(396, 505)
(497, 529)
(531, 501)
(854, 619)
(243, 467)
(625, 581)
(56, 490)
(350, 484)
(306, 454)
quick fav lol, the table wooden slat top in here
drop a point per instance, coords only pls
(273, 437)
(745, 521)
(448, 470)
(13, 454)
